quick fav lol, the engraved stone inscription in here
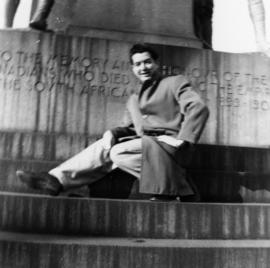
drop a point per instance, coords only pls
(93, 76)
(65, 84)
(235, 89)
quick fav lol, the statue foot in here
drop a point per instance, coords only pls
(40, 25)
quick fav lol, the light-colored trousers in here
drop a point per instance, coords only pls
(97, 162)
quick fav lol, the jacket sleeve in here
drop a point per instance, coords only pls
(126, 129)
(193, 109)
(121, 132)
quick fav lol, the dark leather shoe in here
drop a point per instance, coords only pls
(165, 198)
(38, 25)
(40, 181)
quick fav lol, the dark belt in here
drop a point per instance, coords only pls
(154, 132)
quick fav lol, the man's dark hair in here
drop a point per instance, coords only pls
(140, 48)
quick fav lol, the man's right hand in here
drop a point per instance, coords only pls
(108, 140)
(170, 140)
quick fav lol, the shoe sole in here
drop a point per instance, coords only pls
(37, 184)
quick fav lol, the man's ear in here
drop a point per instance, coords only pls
(157, 63)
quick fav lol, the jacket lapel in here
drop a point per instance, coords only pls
(135, 113)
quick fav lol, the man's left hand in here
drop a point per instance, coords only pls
(108, 140)
(170, 140)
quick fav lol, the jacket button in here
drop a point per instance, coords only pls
(144, 116)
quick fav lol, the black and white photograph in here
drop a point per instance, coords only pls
(134, 134)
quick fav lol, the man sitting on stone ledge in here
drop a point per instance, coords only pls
(163, 121)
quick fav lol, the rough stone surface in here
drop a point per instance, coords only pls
(17, 250)
(65, 85)
(127, 218)
(220, 173)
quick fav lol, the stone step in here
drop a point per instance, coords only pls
(229, 186)
(53, 148)
(35, 250)
(231, 158)
(213, 185)
(133, 218)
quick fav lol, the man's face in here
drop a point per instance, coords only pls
(143, 66)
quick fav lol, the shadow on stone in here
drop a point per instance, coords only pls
(117, 184)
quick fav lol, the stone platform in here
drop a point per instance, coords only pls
(39, 231)
(132, 218)
(68, 252)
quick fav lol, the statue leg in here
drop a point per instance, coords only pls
(202, 19)
(39, 20)
(10, 8)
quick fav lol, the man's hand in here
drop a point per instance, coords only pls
(170, 140)
(108, 140)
